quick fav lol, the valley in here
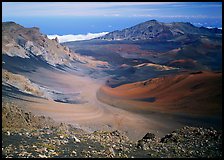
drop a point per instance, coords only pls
(153, 77)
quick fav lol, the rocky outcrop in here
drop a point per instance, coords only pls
(24, 42)
(29, 42)
(16, 119)
(22, 83)
(42, 137)
(56, 40)
(184, 142)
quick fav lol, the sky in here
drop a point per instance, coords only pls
(72, 18)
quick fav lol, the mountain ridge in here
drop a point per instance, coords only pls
(18, 41)
(153, 29)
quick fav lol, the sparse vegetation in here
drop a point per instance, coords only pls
(36, 139)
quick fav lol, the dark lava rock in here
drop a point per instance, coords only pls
(115, 133)
(149, 136)
(166, 138)
(140, 144)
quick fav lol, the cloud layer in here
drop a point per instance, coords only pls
(79, 37)
(112, 9)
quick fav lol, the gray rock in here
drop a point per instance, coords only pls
(66, 48)
(76, 139)
(111, 150)
(58, 142)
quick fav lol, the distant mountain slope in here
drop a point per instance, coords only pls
(179, 45)
(157, 30)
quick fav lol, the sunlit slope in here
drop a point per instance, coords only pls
(194, 93)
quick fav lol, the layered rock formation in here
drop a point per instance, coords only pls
(28, 42)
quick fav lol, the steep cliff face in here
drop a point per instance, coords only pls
(27, 42)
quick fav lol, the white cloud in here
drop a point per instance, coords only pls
(78, 37)
(73, 8)
(214, 27)
(198, 24)
(110, 9)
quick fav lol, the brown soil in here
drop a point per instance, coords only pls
(185, 93)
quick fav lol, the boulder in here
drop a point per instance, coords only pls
(166, 138)
(111, 150)
(149, 136)
(76, 139)
(141, 144)
(115, 133)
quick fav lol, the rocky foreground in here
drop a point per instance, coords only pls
(27, 135)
